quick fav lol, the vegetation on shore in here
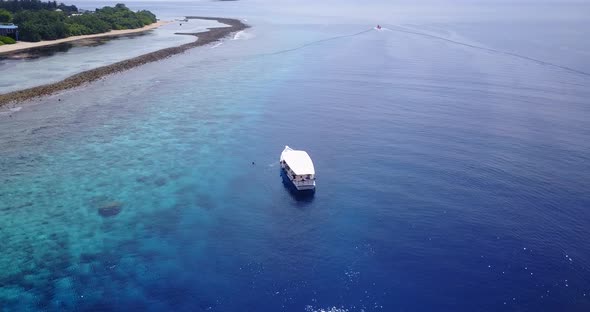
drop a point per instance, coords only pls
(5, 16)
(49, 21)
(7, 40)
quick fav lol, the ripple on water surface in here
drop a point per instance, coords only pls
(444, 172)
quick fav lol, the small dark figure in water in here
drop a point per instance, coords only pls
(253, 163)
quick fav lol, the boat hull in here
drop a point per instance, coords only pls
(298, 187)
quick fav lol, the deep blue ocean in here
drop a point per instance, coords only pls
(452, 151)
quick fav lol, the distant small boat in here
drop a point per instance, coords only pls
(298, 168)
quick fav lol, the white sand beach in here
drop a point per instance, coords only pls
(28, 45)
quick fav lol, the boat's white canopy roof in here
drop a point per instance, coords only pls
(298, 161)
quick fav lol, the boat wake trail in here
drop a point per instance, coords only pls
(321, 41)
(524, 57)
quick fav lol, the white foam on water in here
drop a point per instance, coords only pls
(10, 111)
(217, 45)
(329, 309)
(237, 35)
(242, 35)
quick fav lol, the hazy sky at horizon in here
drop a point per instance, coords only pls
(475, 10)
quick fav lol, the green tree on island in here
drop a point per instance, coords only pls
(5, 16)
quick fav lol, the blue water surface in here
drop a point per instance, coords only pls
(452, 170)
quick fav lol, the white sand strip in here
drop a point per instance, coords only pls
(21, 45)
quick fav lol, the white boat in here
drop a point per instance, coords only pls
(298, 168)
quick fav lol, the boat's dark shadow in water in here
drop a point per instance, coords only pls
(306, 196)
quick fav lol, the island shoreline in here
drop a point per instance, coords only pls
(212, 34)
(21, 46)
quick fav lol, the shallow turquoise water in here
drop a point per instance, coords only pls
(449, 178)
(69, 59)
